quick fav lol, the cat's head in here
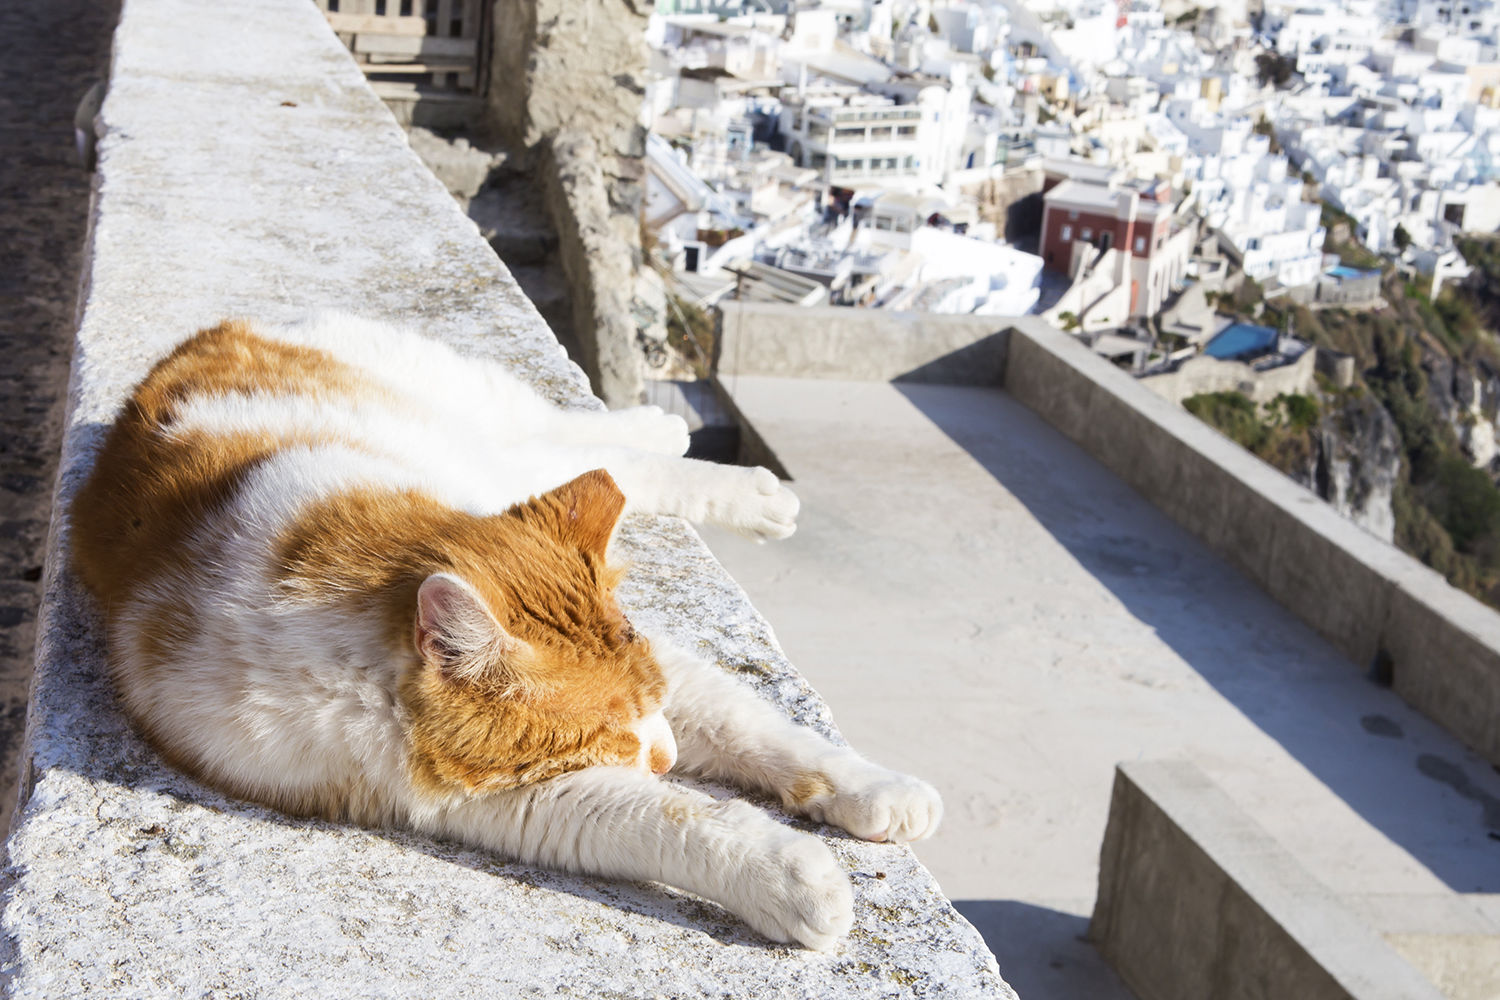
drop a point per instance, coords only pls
(526, 666)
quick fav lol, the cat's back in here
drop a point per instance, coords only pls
(203, 420)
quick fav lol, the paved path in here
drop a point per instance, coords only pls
(51, 51)
(986, 606)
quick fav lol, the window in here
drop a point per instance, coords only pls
(1067, 232)
(1140, 244)
(882, 223)
(1072, 216)
(1088, 233)
(849, 135)
(906, 132)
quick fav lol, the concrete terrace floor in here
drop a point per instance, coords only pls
(984, 605)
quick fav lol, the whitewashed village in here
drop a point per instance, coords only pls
(1111, 166)
(1184, 187)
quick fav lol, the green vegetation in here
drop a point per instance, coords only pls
(1279, 431)
(1343, 239)
(1274, 68)
(690, 332)
(1264, 127)
(1244, 299)
(1447, 511)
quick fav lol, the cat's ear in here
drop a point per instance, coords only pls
(589, 508)
(457, 634)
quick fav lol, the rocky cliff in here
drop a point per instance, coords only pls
(1411, 449)
(1357, 463)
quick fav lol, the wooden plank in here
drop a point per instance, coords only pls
(401, 90)
(375, 24)
(413, 48)
(412, 67)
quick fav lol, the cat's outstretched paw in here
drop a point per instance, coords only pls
(649, 428)
(876, 804)
(800, 894)
(758, 506)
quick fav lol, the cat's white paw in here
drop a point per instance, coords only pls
(651, 429)
(797, 892)
(880, 805)
(758, 505)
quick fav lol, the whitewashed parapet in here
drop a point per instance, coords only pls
(245, 168)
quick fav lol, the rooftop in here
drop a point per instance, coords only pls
(984, 603)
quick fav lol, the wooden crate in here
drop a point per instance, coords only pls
(431, 44)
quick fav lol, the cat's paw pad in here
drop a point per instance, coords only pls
(761, 507)
(803, 895)
(887, 805)
(651, 429)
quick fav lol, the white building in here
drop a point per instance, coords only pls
(855, 138)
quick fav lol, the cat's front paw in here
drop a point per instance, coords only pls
(651, 429)
(759, 506)
(800, 894)
(877, 804)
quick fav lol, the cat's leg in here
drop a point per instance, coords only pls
(751, 501)
(648, 428)
(724, 731)
(623, 823)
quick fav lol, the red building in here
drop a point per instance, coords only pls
(1080, 221)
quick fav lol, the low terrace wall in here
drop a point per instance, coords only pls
(1196, 900)
(246, 169)
(757, 338)
(1439, 647)
(1205, 374)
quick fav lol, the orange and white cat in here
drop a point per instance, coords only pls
(349, 573)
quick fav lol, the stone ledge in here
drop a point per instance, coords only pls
(245, 168)
(1196, 900)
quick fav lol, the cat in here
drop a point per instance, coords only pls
(349, 573)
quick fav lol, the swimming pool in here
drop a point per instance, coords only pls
(1241, 340)
(1344, 271)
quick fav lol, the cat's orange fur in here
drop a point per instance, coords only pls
(150, 489)
(562, 697)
